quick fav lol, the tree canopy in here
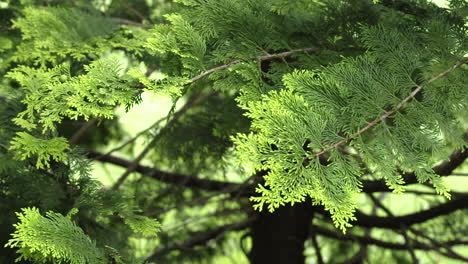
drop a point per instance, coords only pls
(325, 131)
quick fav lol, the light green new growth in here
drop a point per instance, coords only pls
(52, 94)
(27, 146)
(294, 129)
(53, 238)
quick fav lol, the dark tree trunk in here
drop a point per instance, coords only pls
(279, 237)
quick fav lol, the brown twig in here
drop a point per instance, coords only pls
(150, 71)
(229, 64)
(260, 58)
(388, 113)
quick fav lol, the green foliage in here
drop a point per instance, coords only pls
(143, 225)
(53, 237)
(57, 238)
(201, 138)
(180, 39)
(53, 32)
(320, 108)
(52, 94)
(5, 44)
(278, 148)
(28, 146)
(171, 86)
(102, 204)
(59, 69)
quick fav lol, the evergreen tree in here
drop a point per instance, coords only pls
(293, 126)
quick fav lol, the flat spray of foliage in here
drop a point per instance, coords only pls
(398, 99)
(319, 111)
(56, 237)
(53, 237)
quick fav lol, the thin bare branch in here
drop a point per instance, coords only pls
(404, 231)
(139, 134)
(459, 174)
(191, 181)
(200, 238)
(449, 251)
(362, 254)
(133, 10)
(80, 133)
(410, 243)
(318, 252)
(370, 221)
(129, 22)
(229, 64)
(189, 104)
(379, 243)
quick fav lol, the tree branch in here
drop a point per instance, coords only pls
(365, 220)
(376, 242)
(200, 238)
(81, 132)
(361, 255)
(409, 242)
(260, 58)
(388, 113)
(235, 61)
(459, 174)
(404, 231)
(133, 10)
(167, 177)
(318, 252)
(132, 166)
(449, 251)
(444, 169)
(411, 219)
(139, 134)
